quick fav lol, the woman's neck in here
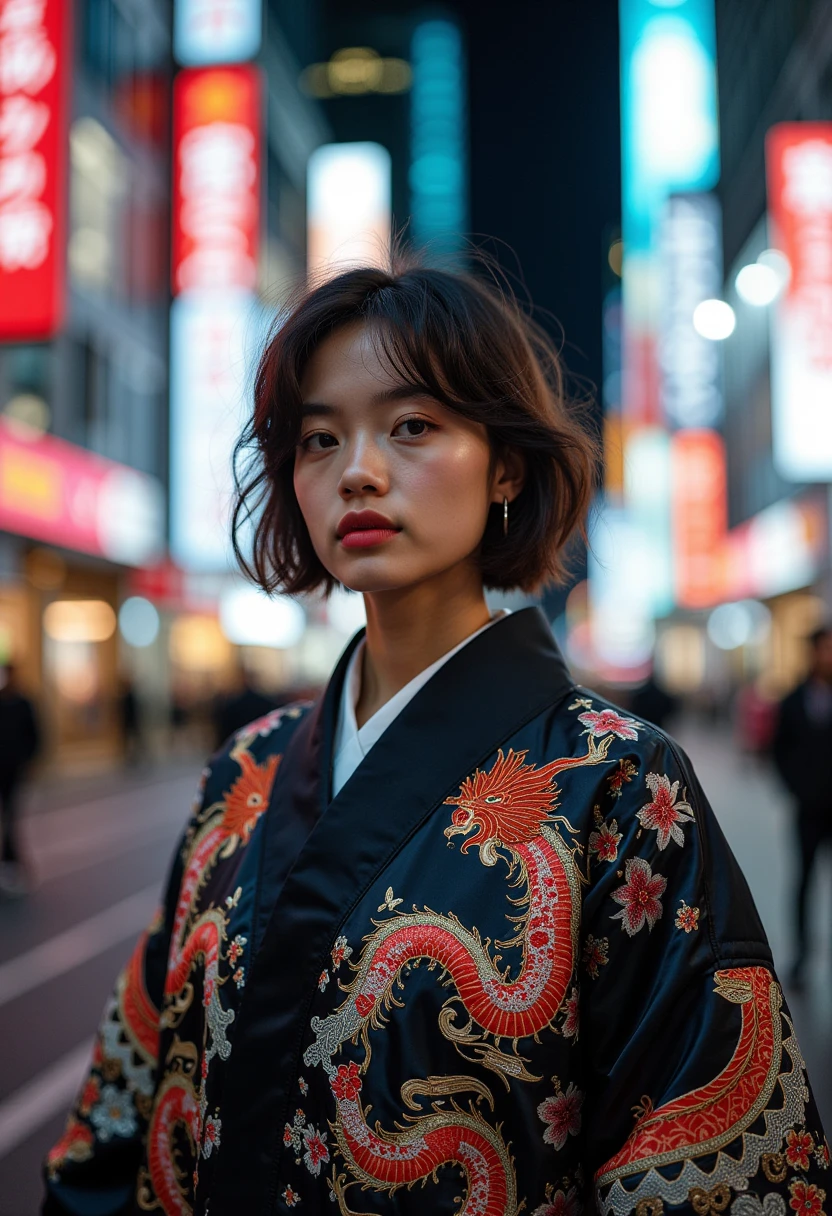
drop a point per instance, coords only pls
(410, 629)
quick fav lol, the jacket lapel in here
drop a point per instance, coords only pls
(492, 687)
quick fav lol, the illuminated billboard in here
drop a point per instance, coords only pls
(438, 174)
(691, 271)
(214, 340)
(669, 144)
(216, 31)
(799, 167)
(216, 178)
(56, 492)
(348, 199)
(700, 516)
(34, 87)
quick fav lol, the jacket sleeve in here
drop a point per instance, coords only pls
(93, 1167)
(697, 1096)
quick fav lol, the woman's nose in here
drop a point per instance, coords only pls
(365, 472)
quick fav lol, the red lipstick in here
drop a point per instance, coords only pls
(363, 529)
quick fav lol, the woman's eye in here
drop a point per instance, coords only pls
(319, 441)
(412, 428)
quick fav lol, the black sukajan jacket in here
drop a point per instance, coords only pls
(513, 966)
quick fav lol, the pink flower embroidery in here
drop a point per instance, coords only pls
(798, 1147)
(323, 979)
(687, 918)
(347, 1084)
(572, 1007)
(595, 955)
(664, 813)
(605, 841)
(558, 1203)
(562, 1113)
(608, 722)
(290, 1197)
(317, 1153)
(639, 896)
(303, 1086)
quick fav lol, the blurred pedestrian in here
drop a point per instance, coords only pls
(19, 742)
(756, 720)
(802, 751)
(240, 704)
(131, 723)
(652, 702)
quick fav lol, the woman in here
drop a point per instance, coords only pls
(461, 937)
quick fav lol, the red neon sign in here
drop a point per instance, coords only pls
(34, 53)
(216, 178)
(700, 515)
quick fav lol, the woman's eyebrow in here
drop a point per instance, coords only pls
(399, 392)
(317, 409)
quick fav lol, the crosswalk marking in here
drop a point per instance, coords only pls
(51, 1091)
(77, 945)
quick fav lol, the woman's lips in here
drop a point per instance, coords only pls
(365, 538)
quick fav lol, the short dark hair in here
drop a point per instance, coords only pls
(469, 345)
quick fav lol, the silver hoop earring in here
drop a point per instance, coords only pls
(505, 516)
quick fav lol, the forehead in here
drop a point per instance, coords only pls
(348, 360)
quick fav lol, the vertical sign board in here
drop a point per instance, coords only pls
(438, 174)
(669, 143)
(34, 103)
(700, 516)
(216, 178)
(348, 207)
(213, 347)
(216, 223)
(691, 271)
(799, 167)
(216, 31)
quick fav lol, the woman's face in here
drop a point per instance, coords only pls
(394, 487)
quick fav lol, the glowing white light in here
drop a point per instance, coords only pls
(250, 618)
(714, 319)
(138, 621)
(778, 262)
(348, 206)
(673, 90)
(737, 624)
(758, 284)
(345, 611)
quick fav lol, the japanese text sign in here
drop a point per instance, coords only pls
(34, 54)
(216, 204)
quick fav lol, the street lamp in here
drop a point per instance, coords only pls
(714, 319)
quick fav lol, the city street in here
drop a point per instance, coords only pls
(101, 860)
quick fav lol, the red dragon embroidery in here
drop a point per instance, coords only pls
(706, 1120)
(225, 826)
(508, 811)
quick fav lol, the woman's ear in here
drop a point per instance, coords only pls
(509, 476)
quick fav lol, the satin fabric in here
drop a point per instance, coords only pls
(512, 966)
